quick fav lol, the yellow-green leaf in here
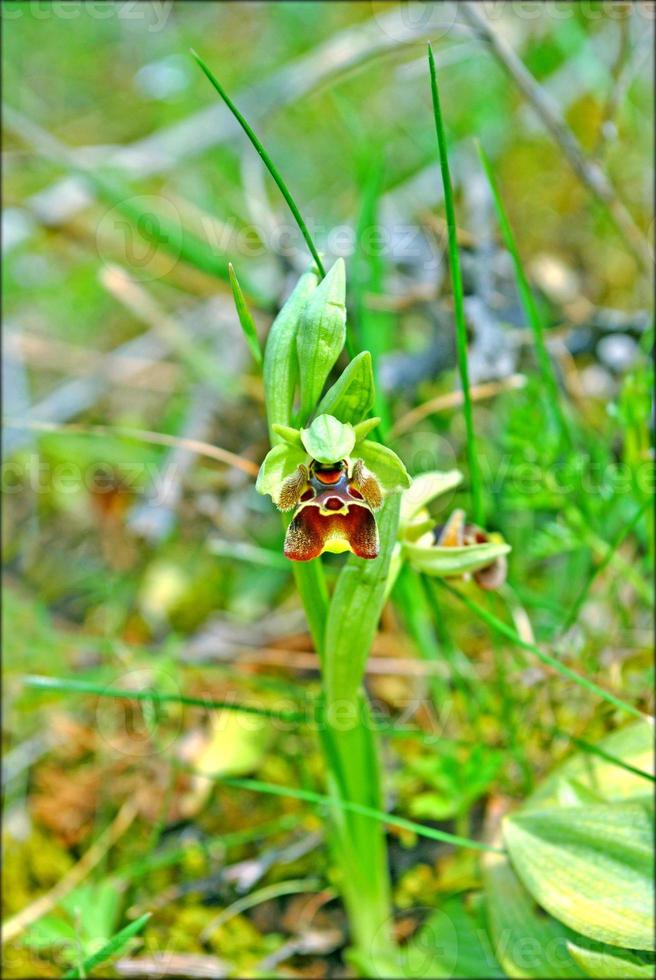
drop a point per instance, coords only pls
(280, 361)
(610, 962)
(527, 942)
(321, 335)
(352, 395)
(589, 866)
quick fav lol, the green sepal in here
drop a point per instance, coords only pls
(385, 465)
(362, 429)
(441, 562)
(328, 440)
(279, 463)
(321, 335)
(352, 395)
(288, 434)
(280, 362)
(245, 318)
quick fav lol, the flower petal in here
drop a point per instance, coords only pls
(314, 530)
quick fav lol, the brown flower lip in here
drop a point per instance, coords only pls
(332, 516)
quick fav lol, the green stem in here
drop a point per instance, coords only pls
(350, 748)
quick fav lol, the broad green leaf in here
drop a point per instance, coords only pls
(321, 335)
(352, 395)
(610, 962)
(591, 867)
(385, 465)
(632, 745)
(453, 942)
(245, 318)
(434, 560)
(328, 440)
(280, 361)
(527, 942)
(279, 463)
(425, 488)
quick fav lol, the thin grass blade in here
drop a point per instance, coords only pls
(530, 306)
(268, 162)
(458, 303)
(245, 318)
(115, 945)
(511, 634)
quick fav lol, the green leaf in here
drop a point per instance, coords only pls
(453, 943)
(527, 942)
(434, 560)
(280, 362)
(610, 962)
(245, 318)
(352, 395)
(328, 440)
(114, 946)
(591, 867)
(633, 745)
(279, 463)
(321, 334)
(385, 465)
(425, 488)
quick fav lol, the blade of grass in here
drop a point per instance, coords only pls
(458, 304)
(606, 756)
(268, 162)
(309, 796)
(115, 945)
(71, 685)
(245, 318)
(165, 857)
(530, 306)
(511, 634)
(572, 615)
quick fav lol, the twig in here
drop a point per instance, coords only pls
(154, 517)
(589, 173)
(142, 435)
(19, 922)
